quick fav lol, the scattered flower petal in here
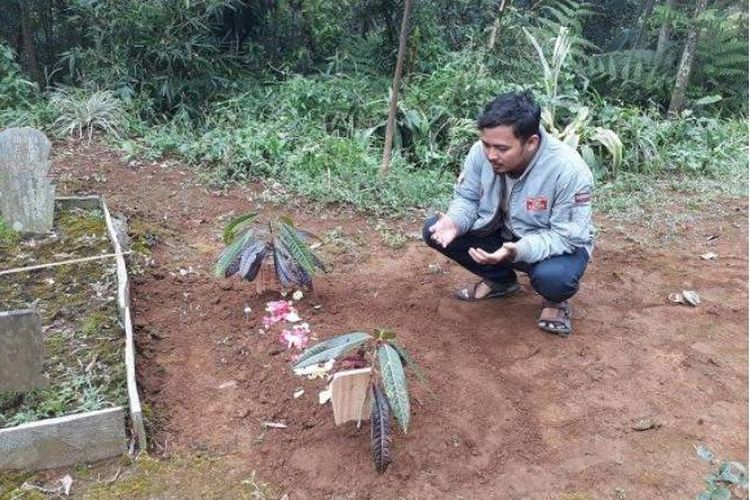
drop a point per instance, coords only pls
(292, 317)
(314, 371)
(298, 295)
(324, 396)
(298, 393)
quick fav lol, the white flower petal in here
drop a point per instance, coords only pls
(325, 396)
(292, 317)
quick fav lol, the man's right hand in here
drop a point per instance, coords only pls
(444, 231)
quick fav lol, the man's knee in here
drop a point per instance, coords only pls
(554, 283)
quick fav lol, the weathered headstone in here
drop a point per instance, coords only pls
(21, 351)
(27, 197)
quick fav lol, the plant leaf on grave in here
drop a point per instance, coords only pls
(236, 224)
(380, 430)
(385, 334)
(394, 382)
(229, 258)
(298, 250)
(721, 493)
(411, 363)
(288, 269)
(251, 259)
(732, 472)
(331, 348)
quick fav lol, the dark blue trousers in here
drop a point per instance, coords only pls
(556, 278)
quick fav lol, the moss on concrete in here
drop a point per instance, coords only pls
(84, 344)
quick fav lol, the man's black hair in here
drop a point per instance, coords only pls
(518, 110)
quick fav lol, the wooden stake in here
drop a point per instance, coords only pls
(61, 263)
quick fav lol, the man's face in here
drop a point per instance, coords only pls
(506, 152)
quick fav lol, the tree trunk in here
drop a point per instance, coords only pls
(394, 91)
(677, 103)
(27, 44)
(664, 32)
(496, 26)
(648, 8)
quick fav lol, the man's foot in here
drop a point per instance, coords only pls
(485, 290)
(555, 318)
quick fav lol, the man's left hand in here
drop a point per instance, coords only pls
(502, 255)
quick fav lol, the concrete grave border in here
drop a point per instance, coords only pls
(89, 436)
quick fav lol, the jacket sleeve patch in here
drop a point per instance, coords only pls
(536, 203)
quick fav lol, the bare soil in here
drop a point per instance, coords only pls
(517, 413)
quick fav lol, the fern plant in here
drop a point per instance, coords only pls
(388, 387)
(247, 248)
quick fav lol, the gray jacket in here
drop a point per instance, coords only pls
(550, 205)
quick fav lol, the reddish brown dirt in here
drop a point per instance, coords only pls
(516, 414)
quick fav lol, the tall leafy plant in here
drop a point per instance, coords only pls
(577, 133)
(247, 248)
(388, 387)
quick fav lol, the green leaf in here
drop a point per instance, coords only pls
(612, 143)
(384, 334)
(709, 99)
(231, 229)
(394, 382)
(411, 363)
(721, 493)
(298, 250)
(230, 254)
(732, 472)
(331, 348)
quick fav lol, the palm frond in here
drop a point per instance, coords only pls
(236, 224)
(229, 259)
(331, 349)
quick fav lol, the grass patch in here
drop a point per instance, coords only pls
(180, 477)
(7, 235)
(83, 342)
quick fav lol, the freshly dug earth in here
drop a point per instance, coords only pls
(516, 413)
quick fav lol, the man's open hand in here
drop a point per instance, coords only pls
(502, 255)
(444, 231)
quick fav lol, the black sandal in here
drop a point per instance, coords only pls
(468, 294)
(555, 318)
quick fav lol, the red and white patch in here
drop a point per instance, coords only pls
(582, 198)
(536, 203)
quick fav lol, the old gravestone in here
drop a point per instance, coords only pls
(27, 197)
(21, 351)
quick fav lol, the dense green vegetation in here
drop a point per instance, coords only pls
(296, 92)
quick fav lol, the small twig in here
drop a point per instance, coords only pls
(91, 364)
(274, 425)
(61, 263)
(116, 476)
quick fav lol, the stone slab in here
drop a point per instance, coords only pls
(27, 195)
(21, 351)
(63, 441)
